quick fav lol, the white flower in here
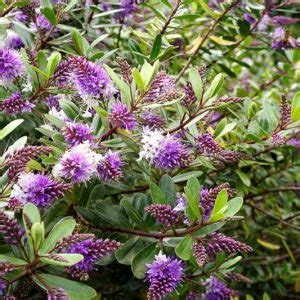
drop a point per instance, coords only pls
(27, 87)
(151, 140)
(58, 114)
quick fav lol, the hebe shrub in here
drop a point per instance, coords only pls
(149, 149)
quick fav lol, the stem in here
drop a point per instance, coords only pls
(9, 8)
(209, 31)
(170, 17)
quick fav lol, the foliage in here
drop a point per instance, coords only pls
(149, 149)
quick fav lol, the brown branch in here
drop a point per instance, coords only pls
(170, 17)
(209, 31)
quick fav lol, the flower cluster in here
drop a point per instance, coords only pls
(92, 251)
(91, 79)
(12, 41)
(109, 167)
(77, 133)
(11, 65)
(121, 117)
(163, 213)
(36, 188)
(16, 104)
(281, 39)
(10, 229)
(164, 275)
(218, 290)
(151, 120)
(163, 152)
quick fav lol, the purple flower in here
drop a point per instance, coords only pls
(161, 86)
(200, 254)
(13, 41)
(91, 251)
(109, 167)
(281, 39)
(11, 64)
(77, 164)
(163, 213)
(128, 6)
(189, 97)
(57, 294)
(283, 21)
(164, 275)
(2, 287)
(278, 140)
(249, 18)
(218, 290)
(214, 3)
(20, 16)
(163, 152)
(295, 142)
(78, 133)
(91, 79)
(43, 25)
(16, 104)
(52, 101)
(121, 117)
(38, 189)
(10, 229)
(16, 162)
(152, 120)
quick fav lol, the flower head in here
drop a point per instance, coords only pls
(91, 251)
(91, 79)
(13, 41)
(164, 275)
(43, 25)
(249, 18)
(163, 213)
(109, 167)
(281, 39)
(16, 104)
(152, 120)
(57, 294)
(38, 189)
(10, 229)
(52, 101)
(11, 65)
(77, 164)
(77, 133)
(218, 290)
(121, 117)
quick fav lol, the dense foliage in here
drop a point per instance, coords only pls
(149, 149)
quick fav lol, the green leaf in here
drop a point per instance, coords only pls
(221, 41)
(50, 15)
(138, 80)
(133, 214)
(129, 250)
(37, 234)
(145, 256)
(61, 229)
(220, 206)
(62, 259)
(207, 9)
(9, 128)
(208, 229)
(69, 108)
(78, 41)
(244, 178)
(192, 192)
(196, 82)
(184, 249)
(228, 128)
(157, 195)
(234, 205)
(231, 262)
(13, 260)
(124, 88)
(74, 289)
(268, 245)
(296, 108)
(30, 216)
(53, 62)
(215, 87)
(167, 186)
(156, 47)
(186, 176)
(55, 121)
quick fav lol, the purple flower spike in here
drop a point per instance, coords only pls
(249, 18)
(164, 274)
(77, 133)
(121, 117)
(57, 294)
(109, 167)
(92, 251)
(16, 104)
(218, 290)
(38, 189)
(281, 40)
(91, 79)
(2, 287)
(43, 25)
(11, 65)
(163, 213)
(13, 41)
(10, 229)
(283, 21)
(152, 120)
